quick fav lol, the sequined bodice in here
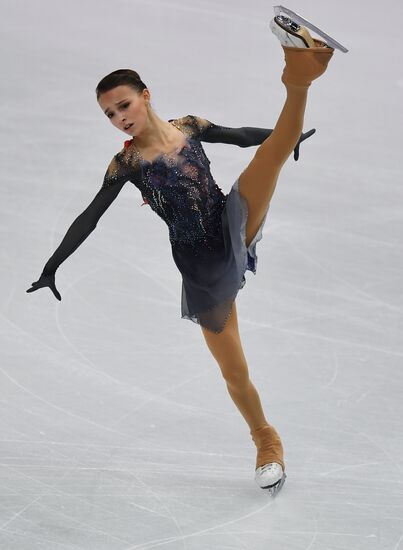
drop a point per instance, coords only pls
(178, 187)
(182, 191)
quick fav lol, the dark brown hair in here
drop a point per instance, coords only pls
(120, 77)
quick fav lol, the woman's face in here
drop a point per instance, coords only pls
(123, 106)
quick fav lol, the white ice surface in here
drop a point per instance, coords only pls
(117, 431)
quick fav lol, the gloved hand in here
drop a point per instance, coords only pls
(46, 280)
(302, 138)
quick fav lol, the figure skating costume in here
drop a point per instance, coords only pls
(206, 227)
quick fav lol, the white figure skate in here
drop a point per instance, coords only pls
(270, 477)
(290, 32)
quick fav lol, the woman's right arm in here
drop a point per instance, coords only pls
(86, 222)
(114, 179)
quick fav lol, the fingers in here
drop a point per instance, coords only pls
(56, 292)
(52, 286)
(309, 133)
(304, 136)
(36, 285)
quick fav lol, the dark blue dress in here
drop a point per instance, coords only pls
(207, 228)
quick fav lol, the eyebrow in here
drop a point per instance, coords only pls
(121, 101)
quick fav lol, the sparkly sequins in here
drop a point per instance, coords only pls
(177, 186)
(205, 226)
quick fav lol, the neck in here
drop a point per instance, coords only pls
(157, 133)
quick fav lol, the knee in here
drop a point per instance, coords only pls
(235, 374)
(271, 158)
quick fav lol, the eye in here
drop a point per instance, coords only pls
(124, 106)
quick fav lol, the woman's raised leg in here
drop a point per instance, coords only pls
(258, 181)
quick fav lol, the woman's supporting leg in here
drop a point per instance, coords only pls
(227, 350)
(258, 181)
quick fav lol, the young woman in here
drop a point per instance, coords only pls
(213, 236)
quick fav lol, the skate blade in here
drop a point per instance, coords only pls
(298, 19)
(273, 490)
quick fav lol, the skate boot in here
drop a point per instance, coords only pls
(293, 22)
(270, 467)
(306, 57)
(291, 34)
(303, 65)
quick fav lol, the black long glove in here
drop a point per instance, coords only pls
(43, 281)
(83, 226)
(245, 136)
(301, 139)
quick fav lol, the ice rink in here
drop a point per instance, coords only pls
(117, 429)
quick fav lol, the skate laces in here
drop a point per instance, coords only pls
(269, 466)
(265, 467)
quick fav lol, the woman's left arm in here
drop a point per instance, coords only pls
(246, 136)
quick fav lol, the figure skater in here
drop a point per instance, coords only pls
(213, 236)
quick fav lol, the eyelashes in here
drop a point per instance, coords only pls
(124, 106)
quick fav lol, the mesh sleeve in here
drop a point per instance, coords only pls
(86, 222)
(246, 136)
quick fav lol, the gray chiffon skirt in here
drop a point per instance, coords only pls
(212, 275)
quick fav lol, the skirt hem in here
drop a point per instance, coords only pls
(237, 258)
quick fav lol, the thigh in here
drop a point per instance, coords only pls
(226, 348)
(257, 184)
